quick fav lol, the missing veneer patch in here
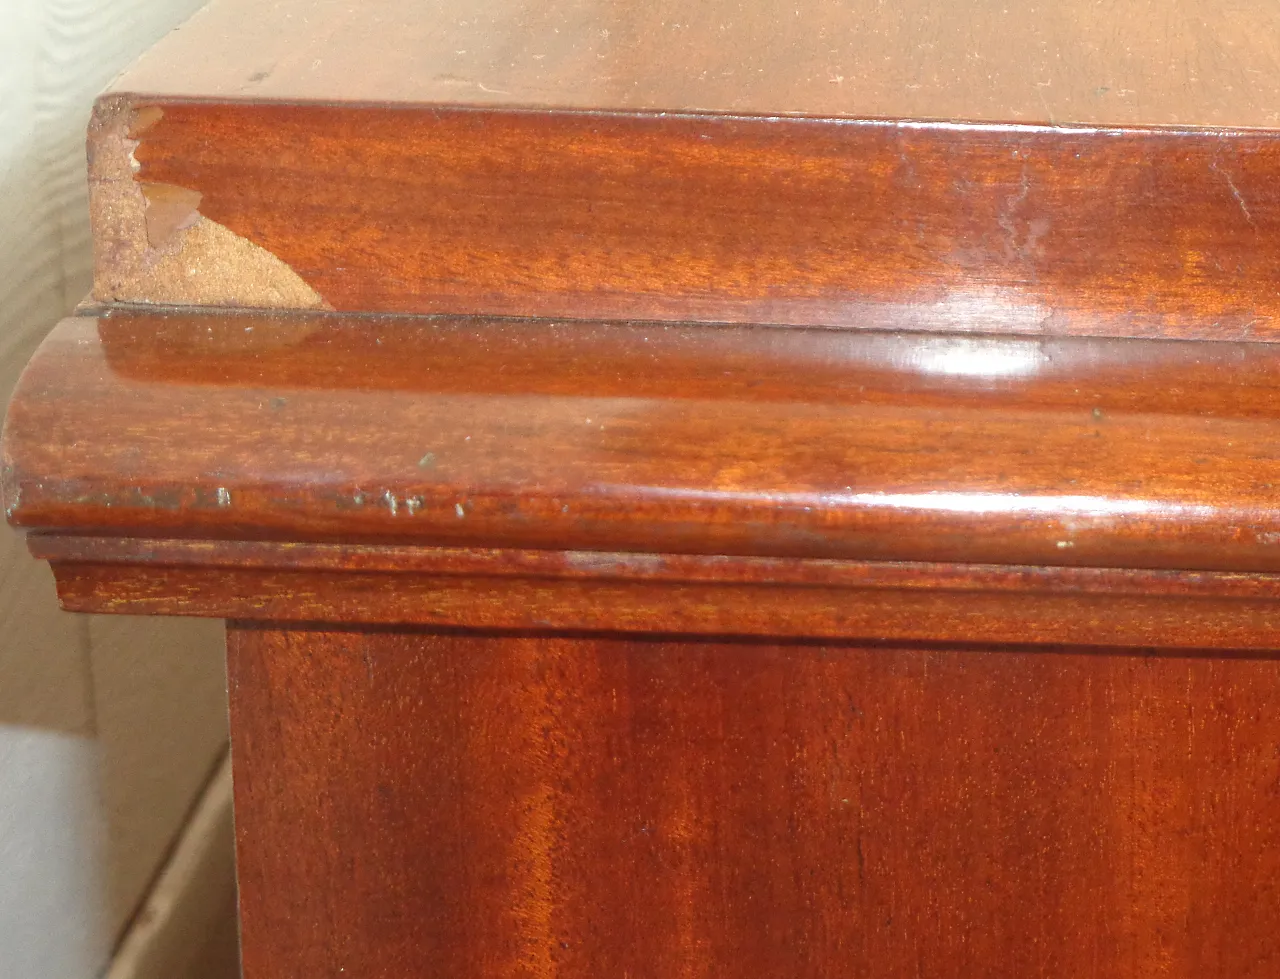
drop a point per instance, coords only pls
(152, 244)
(169, 210)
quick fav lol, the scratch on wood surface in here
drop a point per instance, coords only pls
(1235, 192)
(151, 243)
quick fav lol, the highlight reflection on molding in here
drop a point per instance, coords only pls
(945, 501)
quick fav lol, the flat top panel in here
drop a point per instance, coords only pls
(652, 438)
(1209, 63)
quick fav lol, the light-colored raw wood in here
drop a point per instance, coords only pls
(149, 240)
(1103, 62)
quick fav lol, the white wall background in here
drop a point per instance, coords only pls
(108, 727)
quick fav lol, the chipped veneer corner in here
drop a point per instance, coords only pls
(151, 244)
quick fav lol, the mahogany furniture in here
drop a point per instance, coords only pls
(729, 491)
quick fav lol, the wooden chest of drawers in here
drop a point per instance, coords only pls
(701, 490)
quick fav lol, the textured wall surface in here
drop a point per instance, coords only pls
(108, 728)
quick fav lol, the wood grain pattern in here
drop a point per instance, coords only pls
(482, 806)
(668, 216)
(639, 437)
(545, 591)
(624, 566)
(1096, 62)
(566, 647)
(900, 602)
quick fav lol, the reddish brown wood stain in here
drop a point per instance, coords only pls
(470, 432)
(688, 646)
(433, 209)
(545, 591)
(587, 807)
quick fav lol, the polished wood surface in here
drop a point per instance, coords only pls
(1114, 170)
(640, 437)
(889, 225)
(544, 592)
(486, 806)
(717, 490)
(1110, 63)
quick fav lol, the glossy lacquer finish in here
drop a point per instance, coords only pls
(556, 592)
(746, 441)
(411, 804)
(725, 490)
(677, 216)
